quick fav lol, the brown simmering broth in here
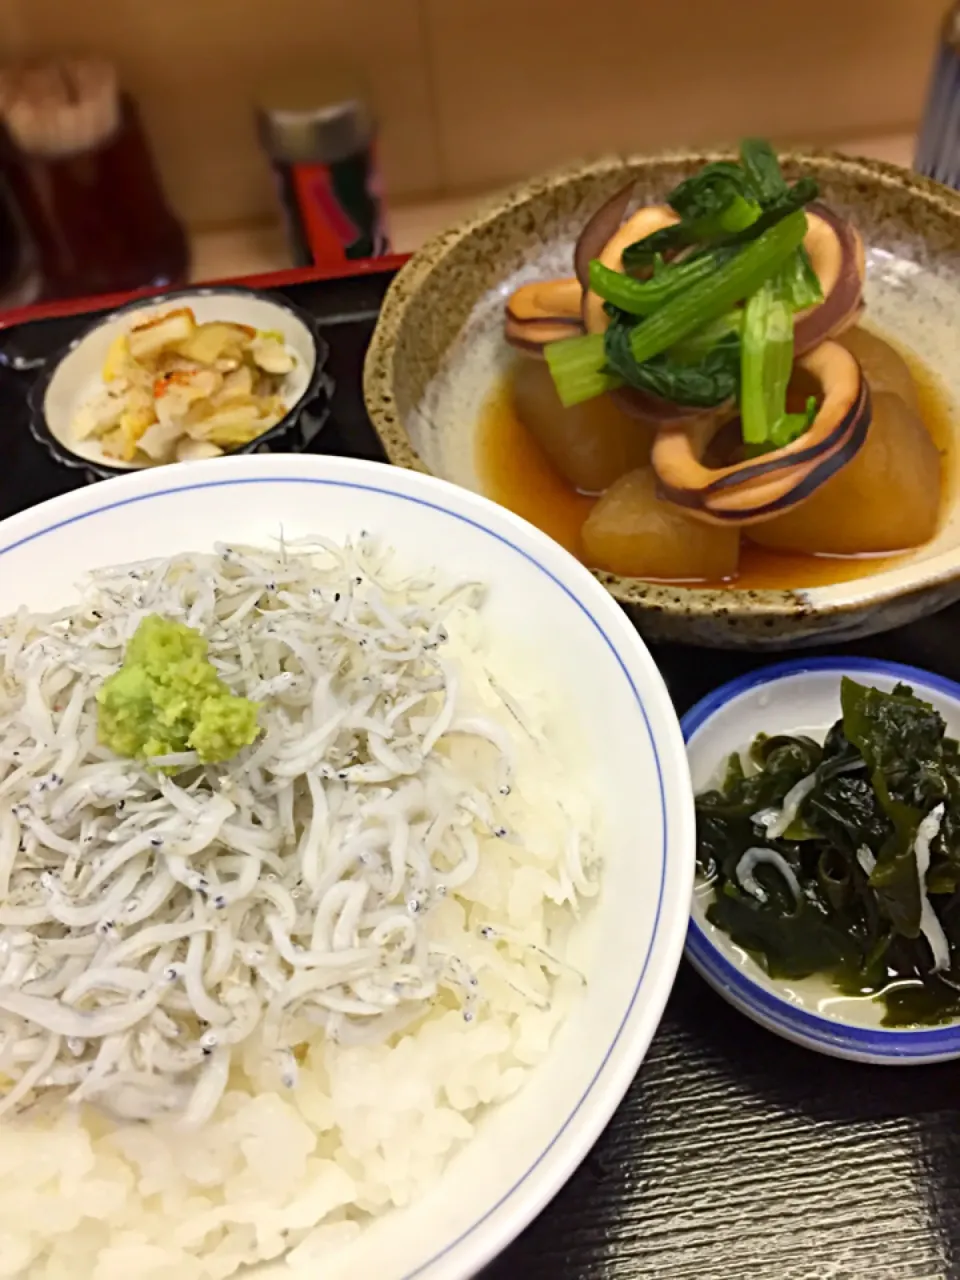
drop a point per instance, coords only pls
(515, 471)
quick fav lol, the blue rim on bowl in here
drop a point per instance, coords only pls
(294, 432)
(740, 980)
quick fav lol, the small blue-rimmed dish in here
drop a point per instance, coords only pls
(790, 697)
(73, 375)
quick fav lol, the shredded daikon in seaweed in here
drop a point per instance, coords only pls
(155, 916)
(775, 822)
(930, 925)
(751, 859)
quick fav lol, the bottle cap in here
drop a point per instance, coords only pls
(322, 117)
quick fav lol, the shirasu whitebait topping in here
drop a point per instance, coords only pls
(154, 918)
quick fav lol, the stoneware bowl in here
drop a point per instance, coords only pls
(72, 376)
(804, 695)
(438, 349)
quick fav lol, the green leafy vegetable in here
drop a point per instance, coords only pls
(644, 297)
(704, 382)
(642, 254)
(769, 187)
(640, 257)
(850, 846)
(793, 199)
(711, 191)
(692, 350)
(580, 367)
(762, 170)
(714, 202)
(791, 425)
(713, 297)
(702, 312)
(766, 346)
(703, 370)
(579, 370)
(803, 284)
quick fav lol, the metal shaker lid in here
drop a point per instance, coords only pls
(322, 117)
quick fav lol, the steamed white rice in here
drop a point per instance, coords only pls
(299, 1171)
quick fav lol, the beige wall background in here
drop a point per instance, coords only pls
(472, 93)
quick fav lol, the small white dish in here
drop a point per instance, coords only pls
(74, 376)
(628, 945)
(802, 695)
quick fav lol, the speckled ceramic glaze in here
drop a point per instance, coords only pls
(438, 350)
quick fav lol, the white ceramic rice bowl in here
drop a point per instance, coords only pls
(631, 940)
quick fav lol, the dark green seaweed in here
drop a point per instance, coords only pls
(880, 770)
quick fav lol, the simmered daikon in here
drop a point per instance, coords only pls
(883, 366)
(634, 533)
(592, 444)
(886, 499)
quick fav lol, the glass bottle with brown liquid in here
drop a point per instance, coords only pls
(77, 161)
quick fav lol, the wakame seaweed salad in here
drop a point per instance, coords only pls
(843, 859)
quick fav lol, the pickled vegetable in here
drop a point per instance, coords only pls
(886, 499)
(631, 532)
(884, 367)
(592, 444)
